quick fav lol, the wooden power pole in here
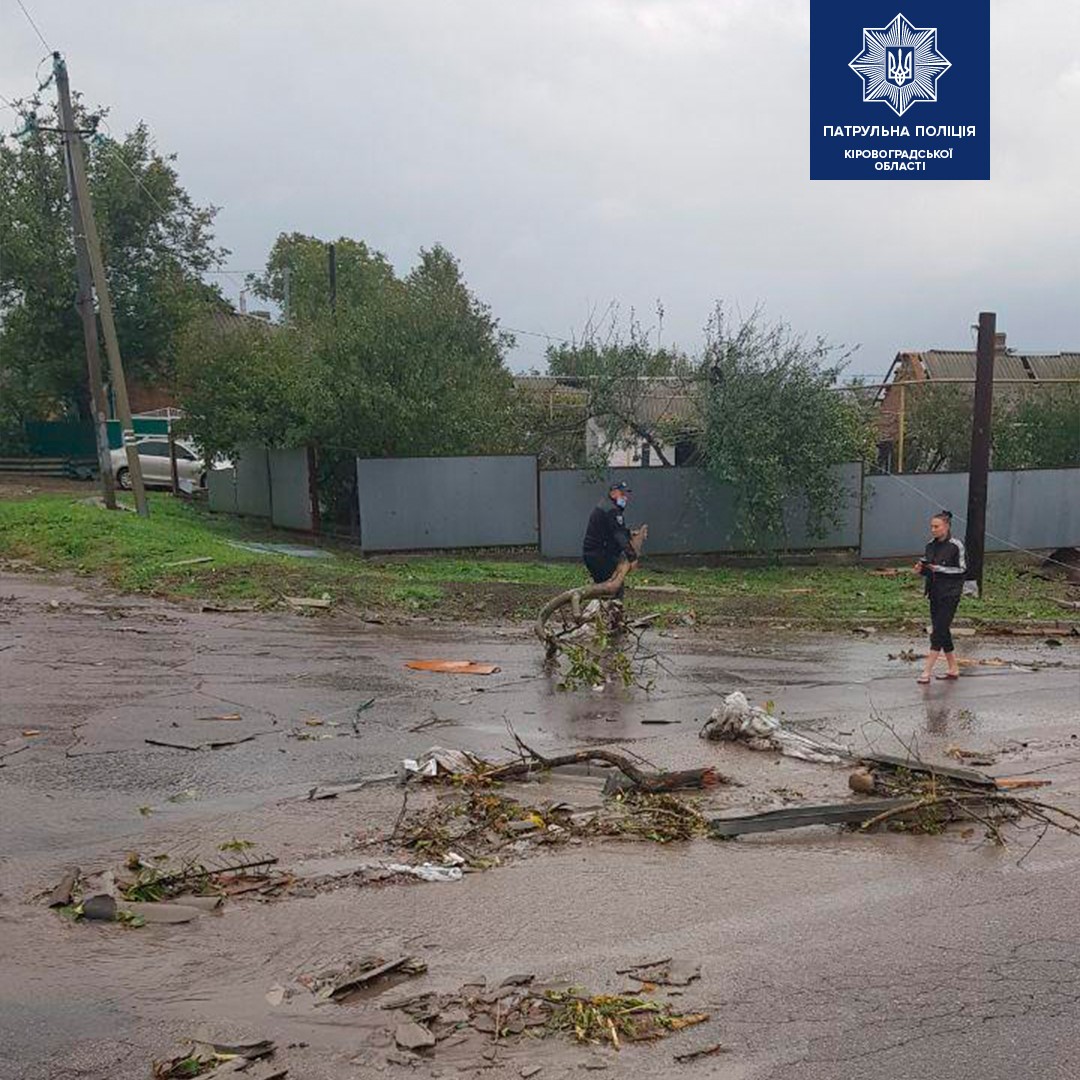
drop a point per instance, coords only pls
(84, 303)
(84, 208)
(979, 470)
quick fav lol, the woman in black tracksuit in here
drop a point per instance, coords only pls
(944, 567)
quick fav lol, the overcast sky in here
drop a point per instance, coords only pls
(572, 153)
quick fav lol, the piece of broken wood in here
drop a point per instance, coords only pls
(574, 598)
(704, 1051)
(639, 780)
(61, 895)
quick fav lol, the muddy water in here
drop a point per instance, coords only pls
(823, 954)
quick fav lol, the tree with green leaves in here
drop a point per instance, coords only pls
(297, 275)
(409, 365)
(633, 389)
(1033, 427)
(156, 245)
(774, 424)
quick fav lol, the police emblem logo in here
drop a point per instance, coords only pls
(900, 64)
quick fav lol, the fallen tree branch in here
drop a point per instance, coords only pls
(637, 779)
(597, 591)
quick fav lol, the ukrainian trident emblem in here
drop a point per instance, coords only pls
(900, 64)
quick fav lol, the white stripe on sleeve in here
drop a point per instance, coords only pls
(962, 568)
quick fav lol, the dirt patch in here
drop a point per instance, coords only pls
(27, 485)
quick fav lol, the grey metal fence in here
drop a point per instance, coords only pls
(686, 512)
(253, 482)
(409, 504)
(290, 489)
(221, 491)
(1033, 509)
(412, 504)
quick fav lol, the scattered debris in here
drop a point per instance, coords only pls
(614, 1017)
(100, 908)
(212, 744)
(453, 667)
(704, 1051)
(188, 562)
(223, 716)
(664, 972)
(427, 872)
(332, 791)
(506, 1012)
(737, 719)
(440, 763)
(61, 894)
(212, 1061)
(437, 763)
(339, 984)
(413, 1036)
(30, 733)
(972, 757)
(228, 609)
(150, 891)
(308, 602)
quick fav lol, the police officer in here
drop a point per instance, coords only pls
(607, 539)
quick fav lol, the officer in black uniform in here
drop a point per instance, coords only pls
(607, 539)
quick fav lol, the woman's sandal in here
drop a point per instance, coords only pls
(923, 680)
(949, 675)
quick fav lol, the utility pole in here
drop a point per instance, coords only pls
(84, 304)
(332, 254)
(101, 285)
(978, 475)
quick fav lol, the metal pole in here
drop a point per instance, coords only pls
(979, 469)
(101, 285)
(84, 303)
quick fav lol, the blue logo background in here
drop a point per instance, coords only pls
(963, 91)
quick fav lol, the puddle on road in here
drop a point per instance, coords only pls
(945, 720)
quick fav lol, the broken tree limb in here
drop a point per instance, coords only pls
(636, 779)
(597, 591)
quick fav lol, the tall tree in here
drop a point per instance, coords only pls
(156, 245)
(774, 424)
(298, 273)
(413, 366)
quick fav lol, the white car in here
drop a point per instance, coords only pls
(156, 467)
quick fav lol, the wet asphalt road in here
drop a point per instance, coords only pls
(824, 954)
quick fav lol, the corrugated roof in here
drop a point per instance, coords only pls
(662, 400)
(944, 364)
(1064, 365)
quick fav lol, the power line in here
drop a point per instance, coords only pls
(30, 20)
